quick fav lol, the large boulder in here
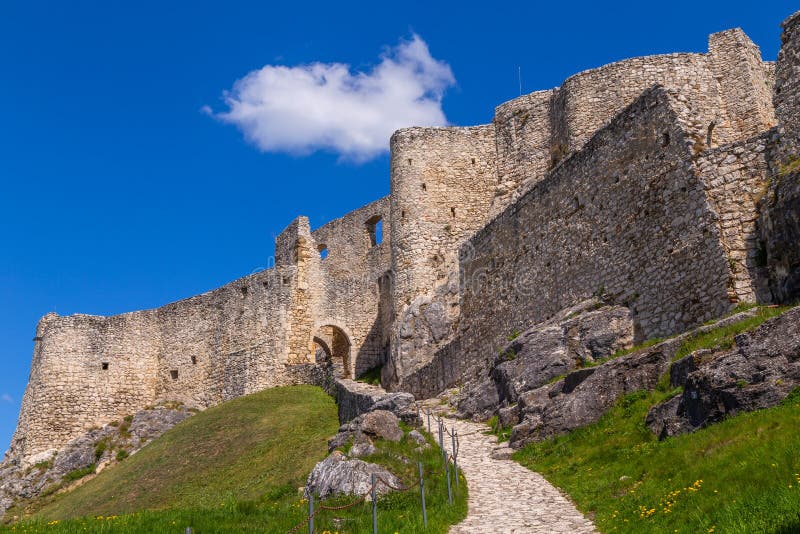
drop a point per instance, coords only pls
(758, 373)
(338, 475)
(576, 336)
(381, 424)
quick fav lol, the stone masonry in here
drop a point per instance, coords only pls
(648, 182)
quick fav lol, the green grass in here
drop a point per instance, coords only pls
(238, 467)
(739, 476)
(503, 433)
(373, 376)
(722, 338)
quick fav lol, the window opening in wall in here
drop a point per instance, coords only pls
(453, 212)
(403, 214)
(323, 251)
(473, 161)
(286, 280)
(409, 161)
(665, 139)
(244, 291)
(194, 360)
(104, 366)
(174, 374)
(424, 187)
(375, 230)
(710, 135)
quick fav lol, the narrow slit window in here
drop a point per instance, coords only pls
(375, 230)
(194, 360)
(453, 212)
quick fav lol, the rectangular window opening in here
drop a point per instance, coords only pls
(174, 374)
(104, 366)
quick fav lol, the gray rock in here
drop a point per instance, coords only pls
(585, 395)
(338, 475)
(363, 446)
(779, 228)
(577, 335)
(502, 453)
(666, 419)
(381, 424)
(356, 398)
(759, 373)
(401, 404)
(415, 435)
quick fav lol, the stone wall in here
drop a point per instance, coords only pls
(627, 217)
(603, 185)
(90, 370)
(787, 83)
(442, 184)
(736, 178)
(251, 334)
(779, 224)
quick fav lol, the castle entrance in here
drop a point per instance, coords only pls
(331, 345)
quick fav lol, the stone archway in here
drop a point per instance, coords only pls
(330, 344)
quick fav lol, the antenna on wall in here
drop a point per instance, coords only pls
(519, 75)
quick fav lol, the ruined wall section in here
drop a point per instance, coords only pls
(523, 139)
(351, 295)
(744, 82)
(779, 223)
(627, 217)
(90, 370)
(588, 100)
(737, 177)
(442, 183)
(787, 84)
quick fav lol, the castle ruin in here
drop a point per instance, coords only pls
(650, 181)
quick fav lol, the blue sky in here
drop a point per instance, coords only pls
(130, 180)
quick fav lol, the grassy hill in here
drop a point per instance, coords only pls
(739, 476)
(237, 467)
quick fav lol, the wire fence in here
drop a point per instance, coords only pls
(447, 459)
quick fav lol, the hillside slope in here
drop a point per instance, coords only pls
(243, 450)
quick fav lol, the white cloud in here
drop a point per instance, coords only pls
(5, 397)
(327, 106)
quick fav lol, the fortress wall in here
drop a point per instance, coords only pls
(736, 178)
(590, 99)
(779, 224)
(523, 139)
(746, 89)
(787, 83)
(68, 392)
(234, 333)
(442, 182)
(627, 216)
(351, 296)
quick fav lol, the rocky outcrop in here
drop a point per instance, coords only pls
(357, 398)
(759, 373)
(338, 475)
(577, 336)
(584, 395)
(86, 454)
(779, 227)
